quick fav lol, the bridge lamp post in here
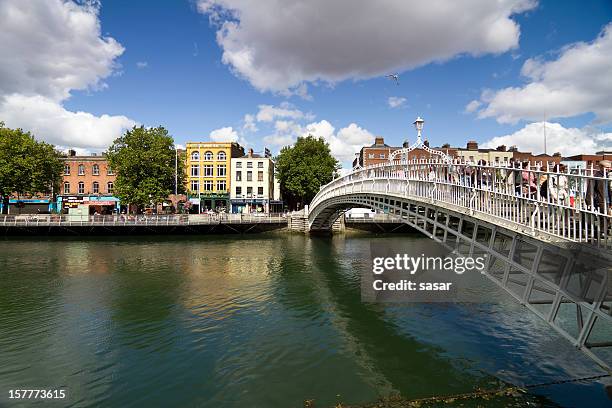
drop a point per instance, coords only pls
(418, 124)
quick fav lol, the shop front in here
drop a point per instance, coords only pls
(29, 206)
(249, 206)
(94, 204)
(210, 202)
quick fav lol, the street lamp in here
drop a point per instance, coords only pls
(418, 124)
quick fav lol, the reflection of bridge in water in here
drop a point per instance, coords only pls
(551, 250)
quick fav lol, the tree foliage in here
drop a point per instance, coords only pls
(303, 168)
(144, 160)
(27, 166)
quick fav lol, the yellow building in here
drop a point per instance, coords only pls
(208, 173)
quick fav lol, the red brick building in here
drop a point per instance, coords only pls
(376, 153)
(535, 158)
(87, 175)
(379, 152)
(87, 180)
(591, 159)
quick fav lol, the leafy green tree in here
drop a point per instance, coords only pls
(303, 168)
(144, 160)
(27, 166)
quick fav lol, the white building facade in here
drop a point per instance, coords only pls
(253, 186)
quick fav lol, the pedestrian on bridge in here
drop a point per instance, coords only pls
(599, 193)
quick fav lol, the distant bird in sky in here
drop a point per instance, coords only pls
(394, 77)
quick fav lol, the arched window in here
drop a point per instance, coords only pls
(81, 188)
(95, 188)
(195, 156)
(109, 187)
(221, 156)
(66, 187)
(208, 155)
(81, 170)
(95, 170)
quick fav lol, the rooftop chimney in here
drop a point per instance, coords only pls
(513, 149)
(501, 148)
(379, 141)
(556, 154)
(426, 143)
(472, 145)
(251, 152)
(71, 153)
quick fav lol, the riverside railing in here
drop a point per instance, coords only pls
(572, 205)
(43, 220)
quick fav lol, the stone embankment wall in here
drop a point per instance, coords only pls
(298, 221)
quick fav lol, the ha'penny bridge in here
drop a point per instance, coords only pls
(546, 233)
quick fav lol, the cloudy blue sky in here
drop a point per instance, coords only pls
(263, 72)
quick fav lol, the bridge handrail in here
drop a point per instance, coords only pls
(579, 193)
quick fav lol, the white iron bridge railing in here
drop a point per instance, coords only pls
(566, 205)
(67, 220)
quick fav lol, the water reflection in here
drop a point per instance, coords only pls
(258, 321)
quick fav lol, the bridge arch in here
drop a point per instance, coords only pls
(537, 250)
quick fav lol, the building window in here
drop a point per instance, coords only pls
(259, 191)
(95, 187)
(109, 171)
(195, 156)
(95, 170)
(371, 156)
(382, 155)
(66, 169)
(238, 176)
(208, 155)
(81, 189)
(81, 170)
(221, 156)
(195, 170)
(249, 165)
(221, 170)
(260, 176)
(238, 191)
(249, 191)
(260, 165)
(110, 187)
(195, 186)
(221, 185)
(66, 188)
(208, 170)
(238, 165)
(208, 185)
(249, 176)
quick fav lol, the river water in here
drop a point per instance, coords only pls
(255, 321)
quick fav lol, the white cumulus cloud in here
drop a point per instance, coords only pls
(396, 101)
(249, 123)
(473, 106)
(268, 113)
(343, 144)
(49, 121)
(224, 134)
(567, 141)
(48, 49)
(279, 45)
(576, 82)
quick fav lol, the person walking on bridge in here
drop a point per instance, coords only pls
(598, 194)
